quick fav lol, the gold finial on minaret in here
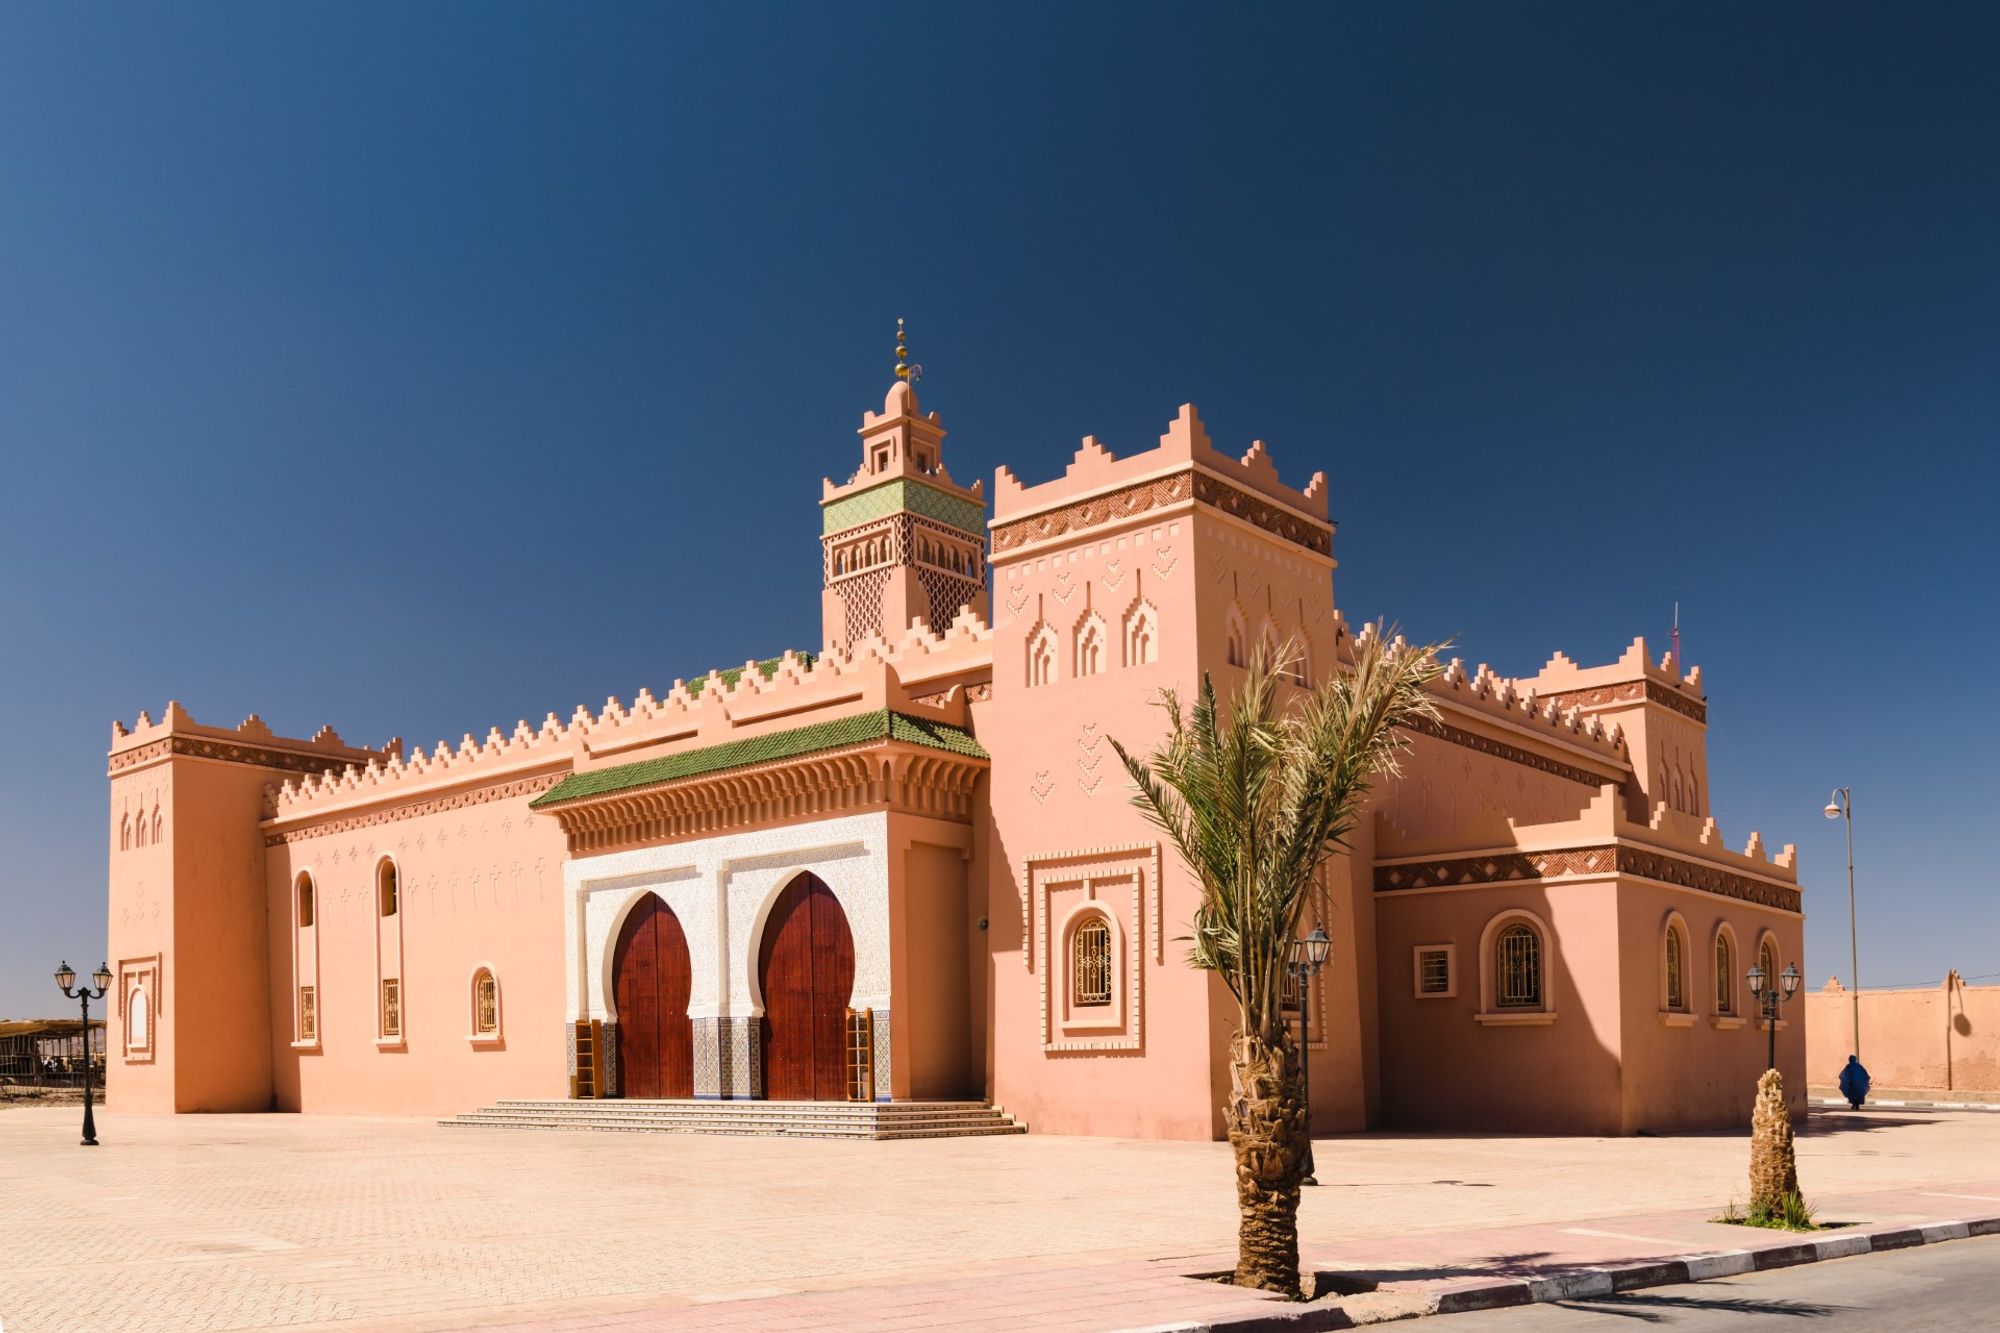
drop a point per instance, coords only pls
(906, 371)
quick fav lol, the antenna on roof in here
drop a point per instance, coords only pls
(1677, 637)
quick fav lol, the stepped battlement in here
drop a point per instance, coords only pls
(1564, 676)
(1095, 469)
(250, 741)
(728, 704)
(1506, 699)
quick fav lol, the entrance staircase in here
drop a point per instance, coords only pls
(822, 1120)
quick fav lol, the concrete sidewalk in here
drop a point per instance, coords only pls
(1386, 1278)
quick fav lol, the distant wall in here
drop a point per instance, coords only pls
(1943, 1038)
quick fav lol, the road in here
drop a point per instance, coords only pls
(1948, 1288)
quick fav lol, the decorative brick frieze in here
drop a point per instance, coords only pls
(229, 752)
(1158, 493)
(1611, 858)
(1632, 691)
(503, 791)
(1512, 753)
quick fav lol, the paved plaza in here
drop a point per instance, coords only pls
(305, 1222)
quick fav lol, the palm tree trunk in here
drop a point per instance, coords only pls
(1267, 1129)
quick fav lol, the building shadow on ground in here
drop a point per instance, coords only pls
(1659, 1308)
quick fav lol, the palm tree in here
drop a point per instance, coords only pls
(1256, 801)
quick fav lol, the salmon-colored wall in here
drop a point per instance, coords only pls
(481, 885)
(141, 939)
(1943, 1038)
(928, 904)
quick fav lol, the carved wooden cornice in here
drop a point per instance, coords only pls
(458, 800)
(1513, 754)
(1610, 858)
(1630, 692)
(1158, 493)
(232, 752)
(888, 774)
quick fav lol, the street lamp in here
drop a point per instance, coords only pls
(65, 979)
(1308, 957)
(1853, 1079)
(1770, 992)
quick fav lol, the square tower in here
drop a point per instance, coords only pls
(900, 539)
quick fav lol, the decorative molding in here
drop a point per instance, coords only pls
(1609, 859)
(976, 692)
(1025, 885)
(1106, 867)
(502, 791)
(918, 780)
(233, 752)
(1513, 754)
(1629, 692)
(1158, 493)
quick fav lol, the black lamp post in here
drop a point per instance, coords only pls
(66, 979)
(1770, 993)
(1308, 957)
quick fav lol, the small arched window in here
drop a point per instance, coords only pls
(1090, 649)
(1042, 657)
(1517, 968)
(136, 1019)
(1236, 650)
(1677, 991)
(139, 831)
(1725, 975)
(125, 833)
(1767, 958)
(306, 904)
(1142, 637)
(1090, 964)
(159, 826)
(485, 1004)
(386, 893)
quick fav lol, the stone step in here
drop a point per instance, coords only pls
(851, 1120)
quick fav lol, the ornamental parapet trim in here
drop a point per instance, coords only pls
(390, 814)
(906, 778)
(1631, 692)
(228, 752)
(1515, 754)
(1190, 483)
(1618, 858)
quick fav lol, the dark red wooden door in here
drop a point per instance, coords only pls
(805, 970)
(651, 981)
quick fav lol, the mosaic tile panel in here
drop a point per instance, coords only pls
(883, 1069)
(707, 1058)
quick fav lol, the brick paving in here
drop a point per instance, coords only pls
(363, 1224)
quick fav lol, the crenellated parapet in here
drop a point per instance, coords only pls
(147, 742)
(1185, 469)
(1495, 715)
(923, 672)
(1634, 678)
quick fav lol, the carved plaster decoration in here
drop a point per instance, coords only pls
(1065, 587)
(1114, 574)
(1163, 560)
(1615, 858)
(1042, 786)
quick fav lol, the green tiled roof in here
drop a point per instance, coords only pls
(880, 725)
(766, 668)
(904, 493)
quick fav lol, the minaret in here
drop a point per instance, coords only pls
(900, 539)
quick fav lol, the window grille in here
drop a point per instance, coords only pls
(1676, 971)
(1725, 976)
(392, 1007)
(308, 1014)
(1518, 969)
(1090, 964)
(1768, 956)
(1433, 972)
(860, 1055)
(485, 1005)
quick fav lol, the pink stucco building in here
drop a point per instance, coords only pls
(905, 866)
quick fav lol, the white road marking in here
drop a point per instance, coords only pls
(1619, 1235)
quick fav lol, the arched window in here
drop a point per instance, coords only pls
(137, 1020)
(1269, 642)
(1090, 963)
(1677, 989)
(1090, 648)
(385, 889)
(1142, 636)
(306, 904)
(1042, 657)
(139, 831)
(1725, 974)
(124, 833)
(159, 826)
(485, 1004)
(1517, 967)
(1767, 958)
(1236, 650)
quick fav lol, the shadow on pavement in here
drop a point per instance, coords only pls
(1657, 1309)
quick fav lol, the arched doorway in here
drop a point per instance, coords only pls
(805, 971)
(651, 981)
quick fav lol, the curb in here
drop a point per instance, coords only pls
(1840, 1103)
(1594, 1282)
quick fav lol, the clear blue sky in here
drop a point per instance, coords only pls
(418, 368)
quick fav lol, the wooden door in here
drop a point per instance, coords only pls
(651, 982)
(805, 971)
